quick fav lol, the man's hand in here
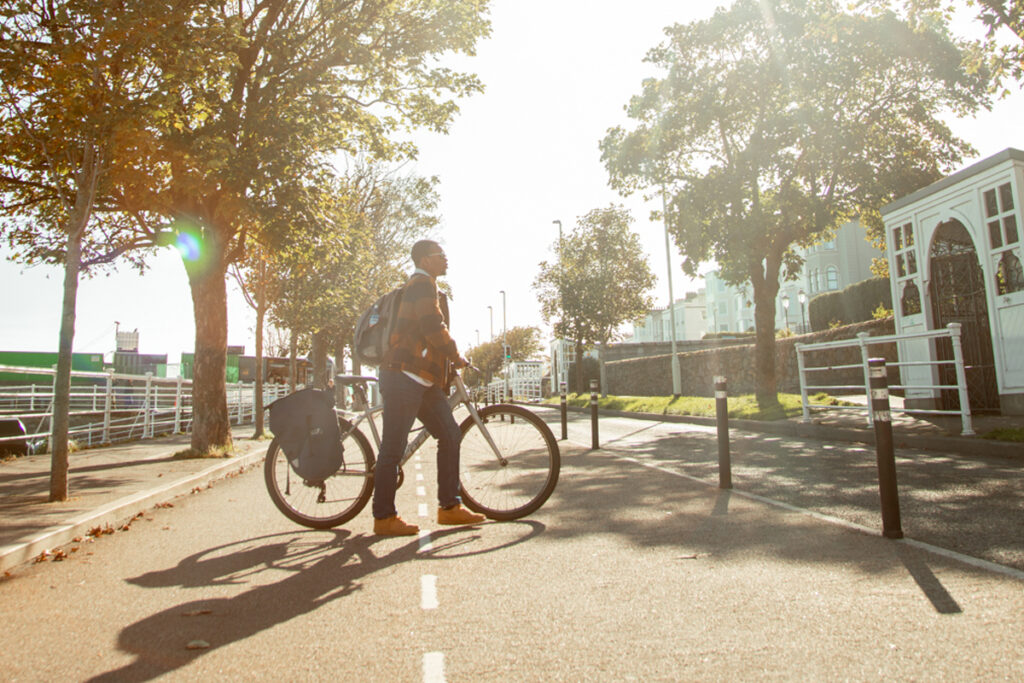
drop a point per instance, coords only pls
(460, 363)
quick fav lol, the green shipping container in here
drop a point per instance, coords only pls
(83, 362)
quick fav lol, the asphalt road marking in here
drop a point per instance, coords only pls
(423, 510)
(419, 477)
(433, 667)
(428, 584)
(426, 543)
(421, 490)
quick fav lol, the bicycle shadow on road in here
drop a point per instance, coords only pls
(322, 566)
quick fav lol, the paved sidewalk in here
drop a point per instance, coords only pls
(107, 486)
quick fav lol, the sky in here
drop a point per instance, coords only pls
(519, 156)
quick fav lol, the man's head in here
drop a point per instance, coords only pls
(428, 255)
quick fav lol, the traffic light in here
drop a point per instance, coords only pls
(508, 352)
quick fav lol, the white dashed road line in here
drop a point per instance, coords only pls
(433, 667)
(428, 593)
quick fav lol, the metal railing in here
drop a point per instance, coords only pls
(929, 388)
(108, 407)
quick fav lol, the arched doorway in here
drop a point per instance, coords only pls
(958, 296)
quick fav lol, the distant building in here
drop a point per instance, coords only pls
(828, 266)
(691, 321)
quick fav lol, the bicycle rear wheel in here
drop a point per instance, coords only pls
(522, 479)
(328, 503)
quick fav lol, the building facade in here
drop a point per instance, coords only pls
(691, 322)
(829, 266)
(954, 251)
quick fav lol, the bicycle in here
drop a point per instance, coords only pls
(508, 467)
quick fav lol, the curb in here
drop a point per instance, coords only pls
(960, 445)
(120, 511)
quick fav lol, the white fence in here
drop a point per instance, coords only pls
(920, 379)
(523, 383)
(106, 407)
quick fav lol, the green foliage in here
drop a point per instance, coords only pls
(599, 281)
(744, 407)
(854, 304)
(488, 357)
(1005, 434)
(1002, 58)
(765, 133)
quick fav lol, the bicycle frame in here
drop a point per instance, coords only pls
(459, 396)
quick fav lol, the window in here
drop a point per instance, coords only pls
(910, 302)
(814, 281)
(1009, 275)
(1001, 217)
(906, 255)
(832, 277)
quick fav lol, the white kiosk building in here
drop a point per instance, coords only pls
(955, 256)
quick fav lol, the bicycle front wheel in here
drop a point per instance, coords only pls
(328, 503)
(520, 477)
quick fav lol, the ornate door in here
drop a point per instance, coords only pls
(958, 296)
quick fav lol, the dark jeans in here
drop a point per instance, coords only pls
(405, 400)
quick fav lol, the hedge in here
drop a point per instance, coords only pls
(854, 304)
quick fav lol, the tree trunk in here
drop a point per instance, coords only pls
(293, 366)
(85, 196)
(318, 355)
(603, 376)
(764, 347)
(210, 425)
(62, 381)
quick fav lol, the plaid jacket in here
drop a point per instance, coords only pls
(420, 342)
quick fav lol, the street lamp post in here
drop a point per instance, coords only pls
(677, 382)
(478, 337)
(785, 308)
(563, 368)
(504, 341)
(490, 309)
(802, 298)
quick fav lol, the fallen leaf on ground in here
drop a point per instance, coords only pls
(197, 612)
(197, 645)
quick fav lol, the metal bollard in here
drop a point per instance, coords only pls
(722, 418)
(891, 527)
(593, 415)
(565, 413)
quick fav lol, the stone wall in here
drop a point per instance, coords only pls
(652, 376)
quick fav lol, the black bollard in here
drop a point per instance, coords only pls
(722, 416)
(593, 415)
(565, 413)
(891, 526)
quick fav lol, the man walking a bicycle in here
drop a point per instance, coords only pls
(414, 378)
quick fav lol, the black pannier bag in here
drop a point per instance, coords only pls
(306, 428)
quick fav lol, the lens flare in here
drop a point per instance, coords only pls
(188, 245)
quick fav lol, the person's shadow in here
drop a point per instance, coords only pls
(321, 571)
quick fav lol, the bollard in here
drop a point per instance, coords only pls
(593, 415)
(722, 418)
(891, 527)
(565, 413)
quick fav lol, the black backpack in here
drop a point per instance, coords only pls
(372, 336)
(306, 428)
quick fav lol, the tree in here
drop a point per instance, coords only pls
(1001, 51)
(271, 89)
(775, 122)
(489, 357)
(599, 281)
(76, 87)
